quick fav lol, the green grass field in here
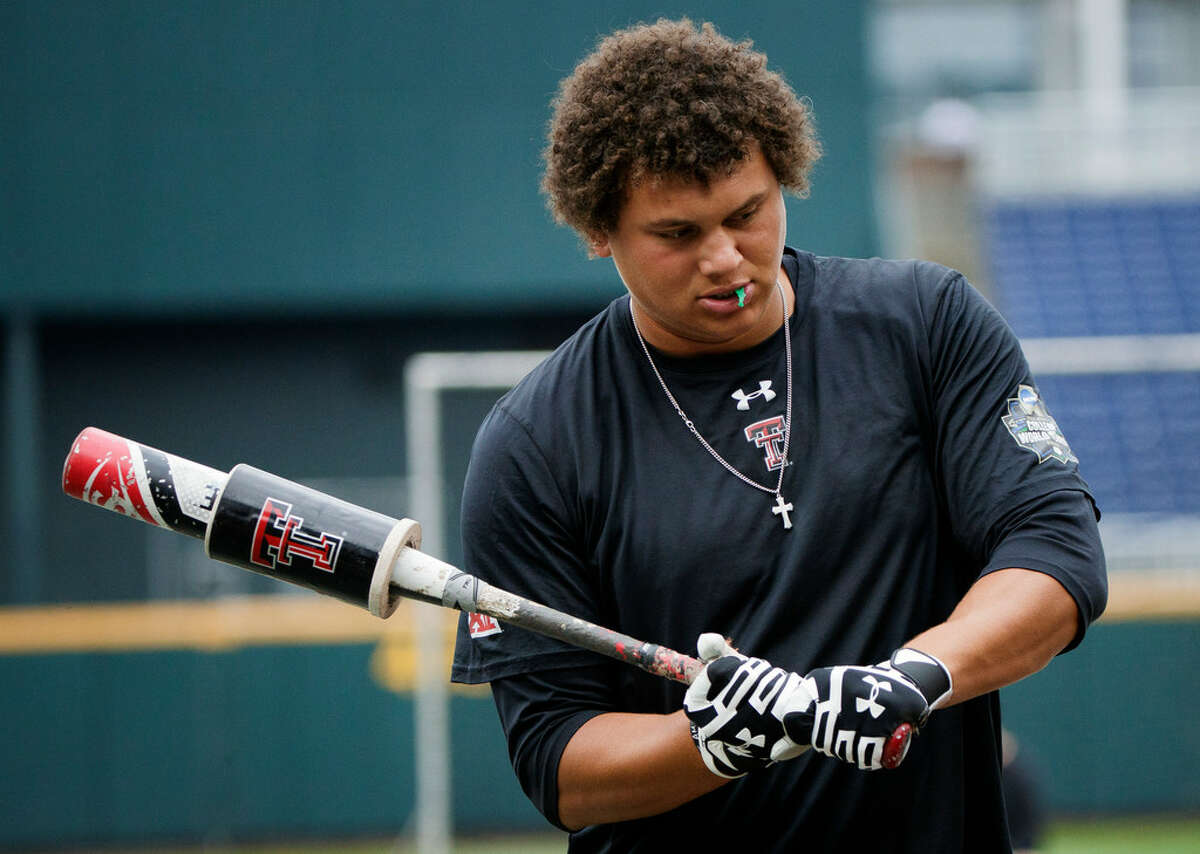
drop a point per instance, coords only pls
(1127, 835)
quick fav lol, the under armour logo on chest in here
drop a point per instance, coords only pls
(764, 391)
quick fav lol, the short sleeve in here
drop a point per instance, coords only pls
(540, 715)
(517, 535)
(997, 443)
(1007, 472)
(1056, 534)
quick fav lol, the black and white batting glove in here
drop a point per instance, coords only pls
(736, 708)
(858, 709)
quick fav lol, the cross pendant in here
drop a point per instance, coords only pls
(781, 509)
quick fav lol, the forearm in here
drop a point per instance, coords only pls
(1010, 624)
(620, 766)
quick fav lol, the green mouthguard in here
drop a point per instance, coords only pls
(741, 292)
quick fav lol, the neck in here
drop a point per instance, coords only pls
(782, 507)
(679, 346)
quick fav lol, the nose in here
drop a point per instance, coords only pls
(719, 255)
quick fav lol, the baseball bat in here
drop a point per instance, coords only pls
(261, 522)
(257, 521)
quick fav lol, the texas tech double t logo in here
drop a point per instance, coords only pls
(768, 435)
(279, 537)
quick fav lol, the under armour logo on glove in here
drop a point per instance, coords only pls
(886, 697)
(764, 391)
(736, 706)
(869, 704)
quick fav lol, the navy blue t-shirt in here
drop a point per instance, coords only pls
(921, 457)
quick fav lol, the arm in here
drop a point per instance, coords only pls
(1013, 621)
(1017, 506)
(1041, 587)
(1010, 624)
(624, 766)
(620, 766)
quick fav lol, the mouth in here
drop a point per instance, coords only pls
(731, 294)
(728, 302)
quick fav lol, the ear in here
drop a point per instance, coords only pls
(598, 245)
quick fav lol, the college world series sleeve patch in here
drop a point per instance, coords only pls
(1033, 428)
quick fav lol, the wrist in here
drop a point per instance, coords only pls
(930, 676)
(715, 756)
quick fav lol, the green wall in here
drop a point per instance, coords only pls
(228, 225)
(258, 743)
(224, 226)
(299, 157)
(300, 741)
(1111, 725)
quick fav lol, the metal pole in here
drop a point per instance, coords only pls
(431, 695)
(426, 377)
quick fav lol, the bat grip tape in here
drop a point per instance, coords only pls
(382, 600)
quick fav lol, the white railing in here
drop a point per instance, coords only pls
(1118, 143)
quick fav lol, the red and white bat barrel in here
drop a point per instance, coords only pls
(144, 483)
(248, 518)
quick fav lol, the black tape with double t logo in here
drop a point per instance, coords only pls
(285, 530)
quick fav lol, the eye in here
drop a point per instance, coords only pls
(676, 233)
(744, 216)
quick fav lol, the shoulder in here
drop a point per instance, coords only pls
(883, 281)
(913, 292)
(539, 441)
(568, 370)
(566, 384)
(853, 293)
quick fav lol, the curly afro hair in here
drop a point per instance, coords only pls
(668, 99)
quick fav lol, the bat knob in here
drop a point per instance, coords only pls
(897, 746)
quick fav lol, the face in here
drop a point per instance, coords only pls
(684, 249)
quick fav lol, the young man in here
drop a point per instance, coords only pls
(842, 465)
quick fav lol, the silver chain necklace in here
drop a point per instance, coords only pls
(781, 508)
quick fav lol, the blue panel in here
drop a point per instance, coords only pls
(1137, 437)
(1066, 268)
(1094, 267)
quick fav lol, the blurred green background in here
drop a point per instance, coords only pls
(225, 227)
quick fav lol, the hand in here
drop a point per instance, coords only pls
(858, 710)
(736, 709)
